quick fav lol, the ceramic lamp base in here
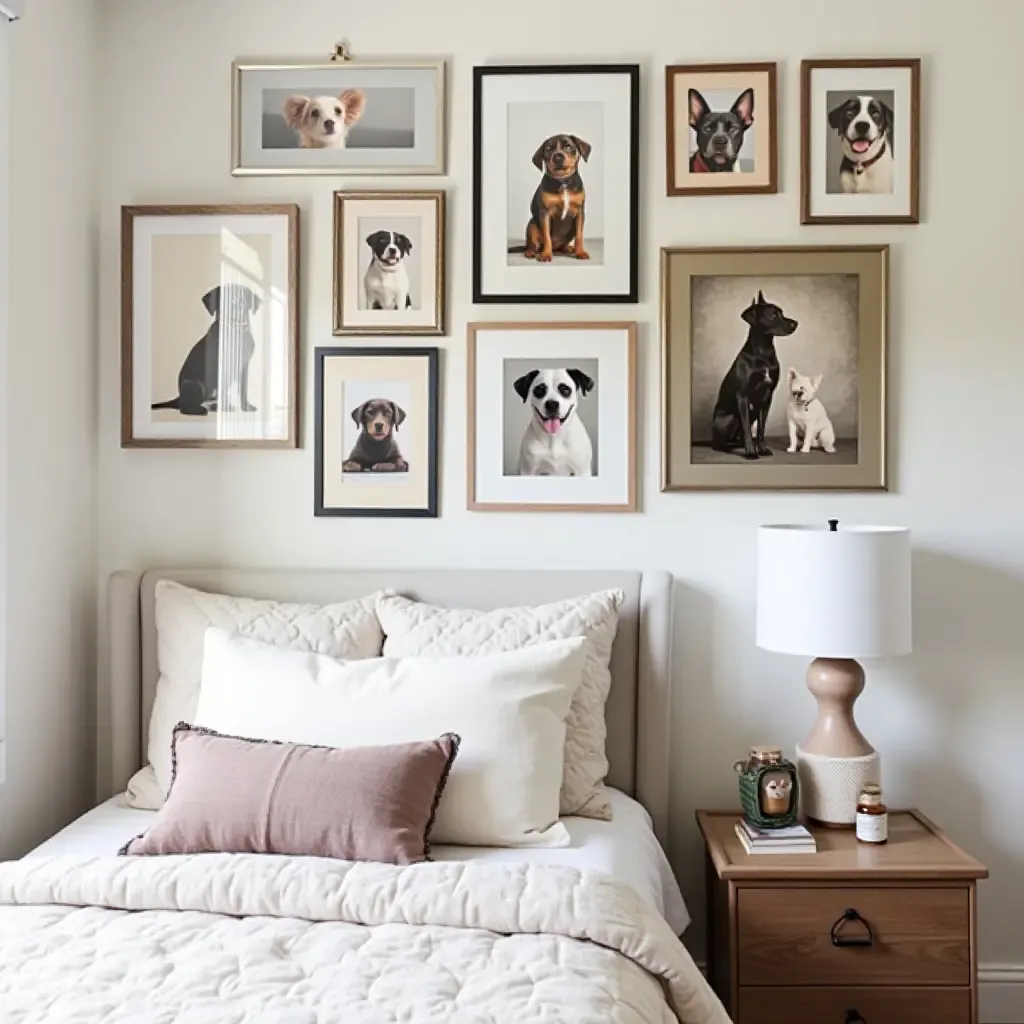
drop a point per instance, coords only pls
(829, 786)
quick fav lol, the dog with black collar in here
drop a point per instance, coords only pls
(864, 124)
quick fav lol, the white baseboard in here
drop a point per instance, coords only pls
(1001, 993)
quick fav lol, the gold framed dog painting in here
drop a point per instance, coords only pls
(376, 432)
(555, 183)
(209, 326)
(773, 368)
(343, 116)
(389, 262)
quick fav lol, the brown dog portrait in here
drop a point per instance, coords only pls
(376, 449)
(557, 209)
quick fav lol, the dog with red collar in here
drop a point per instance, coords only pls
(865, 127)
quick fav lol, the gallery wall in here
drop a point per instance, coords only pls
(947, 720)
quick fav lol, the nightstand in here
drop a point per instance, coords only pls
(852, 934)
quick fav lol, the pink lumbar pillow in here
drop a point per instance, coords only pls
(233, 795)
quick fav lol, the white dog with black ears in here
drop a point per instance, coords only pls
(809, 425)
(556, 442)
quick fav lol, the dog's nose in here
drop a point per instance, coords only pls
(329, 125)
(558, 160)
(861, 128)
(551, 407)
(719, 142)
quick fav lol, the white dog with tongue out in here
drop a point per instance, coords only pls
(556, 442)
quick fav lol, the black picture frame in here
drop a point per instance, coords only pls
(432, 356)
(485, 71)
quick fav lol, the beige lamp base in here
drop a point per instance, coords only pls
(835, 760)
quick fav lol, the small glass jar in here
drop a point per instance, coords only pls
(872, 815)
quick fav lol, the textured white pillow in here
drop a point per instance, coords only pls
(415, 629)
(508, 709)
(348, 629)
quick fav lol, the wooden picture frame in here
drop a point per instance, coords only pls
(685, 163)
(206, 270)
(376, 432)
(585, 362)
(517, 111)
(884, 186)
(409, 271)
(821, 310)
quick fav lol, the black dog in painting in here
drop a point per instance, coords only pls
(745, 396)
(219, 361)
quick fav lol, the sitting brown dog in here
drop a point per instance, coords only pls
(556, 212)
(376, 449)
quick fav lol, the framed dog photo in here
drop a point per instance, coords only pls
(773, 368)
(552, 417)
(376, 432)
(209, 326)
(722, 129)
(340, 117)
(860, 132)
(389, 262)
(555, 183)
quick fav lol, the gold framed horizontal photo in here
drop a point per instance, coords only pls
(773, 368)
(389, 251)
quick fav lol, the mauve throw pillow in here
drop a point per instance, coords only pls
(234, 795)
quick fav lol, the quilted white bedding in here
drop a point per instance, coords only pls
(243, 939)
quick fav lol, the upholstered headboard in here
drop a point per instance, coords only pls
(638, 707)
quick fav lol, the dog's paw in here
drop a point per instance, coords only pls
(582, 254)
(383, 467)
(750, 455)
(791, 448)
(805, 450)
(764, 451)
(544, 257)
(831, 449)
(351, 467)
(249, 408)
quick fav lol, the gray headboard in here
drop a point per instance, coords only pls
(638, 707)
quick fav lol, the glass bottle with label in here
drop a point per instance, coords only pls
(872, 815)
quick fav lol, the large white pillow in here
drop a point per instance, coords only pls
(509, 710)
(348, 629)
(415, 629)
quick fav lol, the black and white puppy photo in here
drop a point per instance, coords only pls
(860, 156)
(390, 263)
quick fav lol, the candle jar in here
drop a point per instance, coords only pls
(769, 789)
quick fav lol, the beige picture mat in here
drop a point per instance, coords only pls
(678, 266)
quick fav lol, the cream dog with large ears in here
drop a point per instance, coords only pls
(323, 122)
(808, 421)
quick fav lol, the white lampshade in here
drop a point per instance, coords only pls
(834, 594)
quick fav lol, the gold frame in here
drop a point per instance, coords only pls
(128, 215)
(630, 327)
(238, 67)
(440, 291)
(870, 262)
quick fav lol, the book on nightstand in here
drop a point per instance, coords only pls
(795, 839)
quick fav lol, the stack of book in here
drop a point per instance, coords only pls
(795, 839)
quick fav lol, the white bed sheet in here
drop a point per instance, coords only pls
(625, 848)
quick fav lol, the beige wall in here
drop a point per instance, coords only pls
(950, 719)
(50, 407)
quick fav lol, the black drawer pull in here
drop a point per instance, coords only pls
(853, 1017)
(849, 914)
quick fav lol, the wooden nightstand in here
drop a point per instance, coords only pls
(781, 952)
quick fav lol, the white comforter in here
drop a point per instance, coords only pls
(240, 939)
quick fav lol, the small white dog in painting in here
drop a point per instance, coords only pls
(323, 122)
(809, 425)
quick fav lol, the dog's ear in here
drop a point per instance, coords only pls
(404, 244)
(295, 110)
(397, 415)
(524, 384)
(792, 374)
(373, 238)
(357, 414)
(583, 147)
(888, 123)
(750, 313)
(743, 108)
(211, 300)
(760, 297)
(538, 157)
(816, 381)
(584, 384)
(699, 108)
(354, 102)
(835, 117)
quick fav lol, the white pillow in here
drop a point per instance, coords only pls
(414, 629)
(349, 629)
(509, 710)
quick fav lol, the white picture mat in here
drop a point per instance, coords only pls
(352, 242)
(860, 80)
(611, 277)
(611, 347)
(240, 426)
(424, 155)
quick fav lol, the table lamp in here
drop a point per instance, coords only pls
(834, 594)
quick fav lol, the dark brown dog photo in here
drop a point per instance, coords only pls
(376, 447)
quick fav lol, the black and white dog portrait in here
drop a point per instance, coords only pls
(215, 374)
(718, 134)
(556, 441)
(386, 282)
(864, 126)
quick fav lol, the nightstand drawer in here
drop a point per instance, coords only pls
(917, 936)
(854, 1006)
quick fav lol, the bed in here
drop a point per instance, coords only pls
(584, 932)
